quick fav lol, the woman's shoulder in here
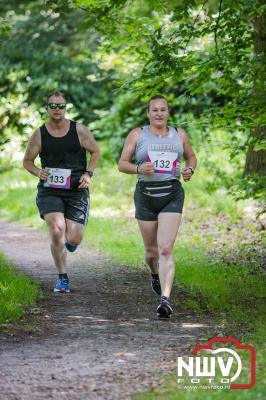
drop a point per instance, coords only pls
(182, 133)
(135, 132)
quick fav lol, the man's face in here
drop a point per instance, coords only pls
(158, 112)
(54, 109)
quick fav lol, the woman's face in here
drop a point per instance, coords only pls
(158, 112)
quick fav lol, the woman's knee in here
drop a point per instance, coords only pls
(166, 249)
(151, 252)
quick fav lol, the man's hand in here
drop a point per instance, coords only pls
(44, 173)
(84, 181)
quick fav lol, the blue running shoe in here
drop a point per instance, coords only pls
(71, 247)
(62, 286)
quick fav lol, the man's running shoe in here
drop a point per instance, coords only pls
(164, 310)
(71, 247)
(155, 284)
(62, 286)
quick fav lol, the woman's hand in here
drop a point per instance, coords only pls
(146, 168)
(186, 173)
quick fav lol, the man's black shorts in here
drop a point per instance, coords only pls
(73, 204)
(153, 198)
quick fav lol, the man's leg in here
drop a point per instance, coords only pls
(57, 227)
(168, 225)
(74, 233)
(76, 216)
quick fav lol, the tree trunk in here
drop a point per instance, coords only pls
(256, 159)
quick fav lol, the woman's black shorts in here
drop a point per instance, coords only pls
(152, 198)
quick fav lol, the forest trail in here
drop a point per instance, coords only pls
(102, 340)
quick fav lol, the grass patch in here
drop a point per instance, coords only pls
(17, 292)
(118, 239)
(17, 197)
(221, 288)
(170, 391)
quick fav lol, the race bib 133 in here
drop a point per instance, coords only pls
(58, 178)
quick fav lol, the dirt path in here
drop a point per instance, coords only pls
(101, 341)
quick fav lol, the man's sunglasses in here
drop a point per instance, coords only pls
(53, 106)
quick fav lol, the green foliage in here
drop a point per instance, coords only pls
(253, 186)
(45, 51)
(18, 119)
(111, 56)
(16, 292)
(210, 52)
(113, 126)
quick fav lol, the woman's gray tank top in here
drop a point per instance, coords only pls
(165, 152)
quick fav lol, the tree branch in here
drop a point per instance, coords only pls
(194, 22)
(216, 29)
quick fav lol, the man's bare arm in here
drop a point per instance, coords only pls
(32, 151)
(88, 142)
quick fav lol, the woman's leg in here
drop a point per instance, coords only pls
(168, 225)
(148, 231)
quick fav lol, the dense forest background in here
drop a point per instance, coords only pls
(109, 57)
(207, 57)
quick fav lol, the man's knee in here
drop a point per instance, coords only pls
(57, 230)
(75, 241)
(74, 238)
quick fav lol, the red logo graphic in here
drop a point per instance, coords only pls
(238, 345)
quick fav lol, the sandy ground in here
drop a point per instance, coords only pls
(101, 341)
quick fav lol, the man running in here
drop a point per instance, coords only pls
(65, 177)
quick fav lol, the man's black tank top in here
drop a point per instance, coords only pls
(63, 152)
